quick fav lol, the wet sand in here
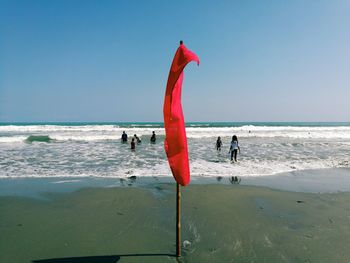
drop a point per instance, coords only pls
(220, 223)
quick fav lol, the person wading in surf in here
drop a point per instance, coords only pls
(234, 148)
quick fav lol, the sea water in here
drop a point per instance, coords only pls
(95, 149)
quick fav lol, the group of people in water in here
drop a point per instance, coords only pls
(234, 147)
(136, 139)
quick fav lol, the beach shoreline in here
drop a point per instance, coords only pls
(136, 222)
(331, 180)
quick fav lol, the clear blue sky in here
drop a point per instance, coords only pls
(109, 60)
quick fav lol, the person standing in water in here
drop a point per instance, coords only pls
(124, 137)
(234, 148)
(153, 137)
(138, 140)
(218, 144)
(132, 144)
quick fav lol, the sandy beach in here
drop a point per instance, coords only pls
(135, 222)
(106, 107)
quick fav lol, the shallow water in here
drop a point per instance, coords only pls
(96, 150)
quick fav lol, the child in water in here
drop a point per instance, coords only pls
(218, 144)
(153, 137)
(132, 144)
(234, 148)
(137, 138)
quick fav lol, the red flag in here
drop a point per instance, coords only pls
(175, 143)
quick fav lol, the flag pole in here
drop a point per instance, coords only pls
(178, 221)
(178, 214)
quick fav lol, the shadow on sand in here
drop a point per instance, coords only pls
(98, 259)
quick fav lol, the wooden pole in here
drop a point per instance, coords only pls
(178, 221)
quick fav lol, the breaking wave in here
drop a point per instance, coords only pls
(38, 138)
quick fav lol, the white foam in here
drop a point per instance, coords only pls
(12, 133)
(271, 132)
(12, 139)
(66, 181)
(96, 151)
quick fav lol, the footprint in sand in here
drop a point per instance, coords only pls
(237, 246)
(268, 241)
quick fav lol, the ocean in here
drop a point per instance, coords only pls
(95, 149)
